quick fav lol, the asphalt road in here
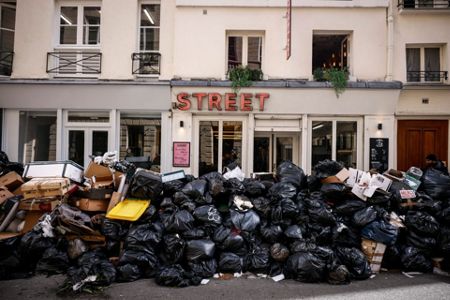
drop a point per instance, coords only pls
(384, 286)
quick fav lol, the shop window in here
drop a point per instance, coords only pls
(7, 27)
(37, 136)
(245, 50)
(88, 116)
(423, 64)
(220, 145)
(330, 51)
(141, 136)
(335, 140)
(79, 25)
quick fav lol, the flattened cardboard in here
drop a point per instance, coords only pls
(45, 187)
(115, 199)
(92, 204)
(5, 194)
(374, 252)
(11, 180)
(39, 205)
(101, 173)
(31, 220)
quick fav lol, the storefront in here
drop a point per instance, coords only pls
(261, 126)
(62, 120)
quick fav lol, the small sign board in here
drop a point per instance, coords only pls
(379, 154)
(181, 154)
(166, 177)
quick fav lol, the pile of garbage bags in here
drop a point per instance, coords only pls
(306, 228)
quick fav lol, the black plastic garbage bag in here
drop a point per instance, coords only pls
(289, 208)
(444, 240)
(145, 185)
(262, 206)
(365, 216)
(422, 223)
(427, 204)
(350, 207)
(290, 173)
(281, 190)
(175, 275)
(93, 263)
(32, 246)
(203, 268)
(196, 189)
(278, 218)
(319, 212)
(425, 243)
(199, 249)
(193, 234)
(380, 231)
(253, 187)
(257, 258)
(305, 267)
(207, 214)
(6, 166)
(304, 245)
(145, 259)
(321, 234)
(128, 273)
(144, 235)
(279, 252)
(413, 260)
(327, 168)
(234, 186)
(171, 187)
(271, 233)
(148, 216)
(338, 274)
(230, 263)
(178, 222)
(436, 184)
(234, 243)
(345, 236)
(293, 232)
(114, 230)
(355, 261)
(444, 216)
(172, 248)
(53, 261)
(247, 221)
(215, 181)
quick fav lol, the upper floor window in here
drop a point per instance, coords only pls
(149, 28)
(7, 26)
(423, 64)
(245, 50)
(330, 51)
(79, 25)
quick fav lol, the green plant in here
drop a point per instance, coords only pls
(318, 74)
(243, 77)
(338, 78)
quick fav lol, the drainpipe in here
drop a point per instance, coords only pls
(390, 42)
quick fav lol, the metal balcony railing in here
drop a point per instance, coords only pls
(426, 76)
(6, 61)
(424, 4)
(74, 63)
(146, 63)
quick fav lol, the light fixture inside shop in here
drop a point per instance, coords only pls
(149, 17)
(66, 20)
(181, 124)
(380, 126)
(317, 126)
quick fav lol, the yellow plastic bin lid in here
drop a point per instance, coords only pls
(128, 210)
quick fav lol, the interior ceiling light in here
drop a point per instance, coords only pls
(66, 20)
(317, 126)
(149, 17)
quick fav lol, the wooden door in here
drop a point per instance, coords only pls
(418, 138)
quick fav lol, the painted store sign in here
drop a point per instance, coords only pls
(219, 102)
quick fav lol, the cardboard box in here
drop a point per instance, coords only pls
(5, 194)
(45, 187)
(115, 199)
(66, 169)
(102, 176)
(31, 220)
(11, 181)
(92, 204)
(374, 252)
(340, 177)
(39, 205)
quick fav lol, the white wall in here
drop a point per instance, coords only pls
(10, 138)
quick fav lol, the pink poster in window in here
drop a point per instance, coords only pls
(181, 154)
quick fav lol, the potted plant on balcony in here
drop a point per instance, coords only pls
(336, 76)
(243, 77)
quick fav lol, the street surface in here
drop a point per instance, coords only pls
(393, 285)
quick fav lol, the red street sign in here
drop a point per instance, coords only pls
(289, 25)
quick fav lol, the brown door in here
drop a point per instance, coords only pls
(417, 139)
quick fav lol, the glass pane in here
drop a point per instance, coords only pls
(6, 40)
(149, 39)
(37, 136)
(432, 64)
(346, 141)
(321, 141)
(8, 18)
(208, 147)
(68, 15)
(68, 35)
(91, 35)
(254, 52)
(91, 117)
(99, 142)
(150, 15)
(413, 64)
(76, 146)
(91, 16)
(285, 146)
(261, 154)
(234, 51)
(231, 144)
(141, 137)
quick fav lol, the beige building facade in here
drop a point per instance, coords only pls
(139, 76)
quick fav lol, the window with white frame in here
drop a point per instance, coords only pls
(424, 64)
(79, 25)
(7, 27)
(337, 140)
(149, 27)
(244, 50)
